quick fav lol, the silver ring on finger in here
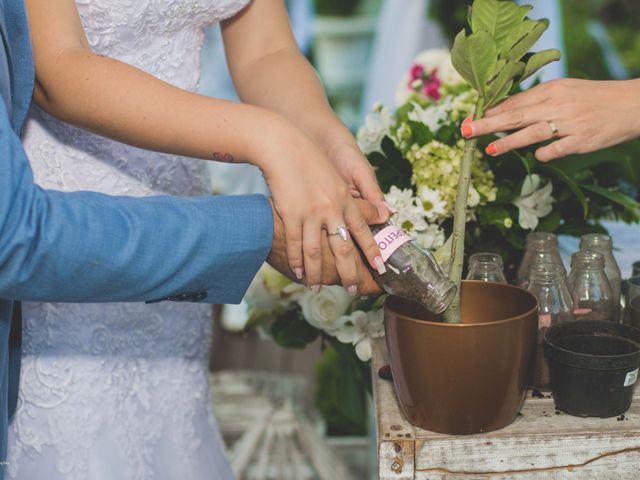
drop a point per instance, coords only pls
(555, 131)
(341, 230)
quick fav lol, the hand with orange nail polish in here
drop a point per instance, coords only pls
(569, 116)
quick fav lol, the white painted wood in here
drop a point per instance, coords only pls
(540, 444)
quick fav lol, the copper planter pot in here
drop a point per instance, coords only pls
(468, 378)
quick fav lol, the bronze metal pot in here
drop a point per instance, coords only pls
(468, 378)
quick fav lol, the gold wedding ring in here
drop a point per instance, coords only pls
(554, 128)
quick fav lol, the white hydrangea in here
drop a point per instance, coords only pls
(473, 198)
(377, 125)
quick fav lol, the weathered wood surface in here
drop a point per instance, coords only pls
(540, 444)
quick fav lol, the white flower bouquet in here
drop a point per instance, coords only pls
(417, 151)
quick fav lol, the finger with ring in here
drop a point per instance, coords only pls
(555, 131)
(341, 230)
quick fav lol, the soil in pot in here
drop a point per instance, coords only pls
(594, 366)
(468, 378)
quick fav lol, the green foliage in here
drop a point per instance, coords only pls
(291, 330)
(475, 58)
(489, 59)
(391, 167)
(336, 8)
(342, 382)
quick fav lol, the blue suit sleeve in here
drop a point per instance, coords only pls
(89, 247)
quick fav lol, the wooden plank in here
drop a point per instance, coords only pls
(540, 444)
(396, 446)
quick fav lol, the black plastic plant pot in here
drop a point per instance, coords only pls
(593, 365)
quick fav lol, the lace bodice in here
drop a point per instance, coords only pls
(120, 390)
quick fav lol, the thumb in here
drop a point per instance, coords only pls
(367, 185)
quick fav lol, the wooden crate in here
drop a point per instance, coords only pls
(540, 444)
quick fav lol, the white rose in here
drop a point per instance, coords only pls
(324, 309)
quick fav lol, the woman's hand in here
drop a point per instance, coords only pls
(314, 201)
(583, 115)
(278, 256)
(358, 173)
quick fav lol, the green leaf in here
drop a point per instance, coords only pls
(420, 133)
(616, 197)
(291, 330)
(446, 133)
(523, 37)
(493, 215)
(391, 167)
(528, 162)
(475, 57)
(501, 85)
(538, 60)
(550, 223)
(349, 378)
(560, 175)
(497, 18)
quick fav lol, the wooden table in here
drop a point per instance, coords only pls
(540, 444)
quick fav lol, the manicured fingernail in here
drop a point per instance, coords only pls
(380, 265)
(315, 288)
(467, 120)
(466, 130)
(298, 272)
(352, 290)
(492, 150)
(390, 207)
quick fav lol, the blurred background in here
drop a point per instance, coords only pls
(360, 49)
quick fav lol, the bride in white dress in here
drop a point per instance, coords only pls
(120, 391)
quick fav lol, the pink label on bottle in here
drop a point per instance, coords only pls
(544, 320)
(582, 311)
(389, 239)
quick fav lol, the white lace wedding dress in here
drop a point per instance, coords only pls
(120, 391)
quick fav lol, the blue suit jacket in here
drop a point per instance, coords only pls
(88, 247)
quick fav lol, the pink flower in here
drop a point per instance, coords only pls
(416, 71)
(431, 87)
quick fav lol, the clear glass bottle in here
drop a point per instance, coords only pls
(412, 272)
(590, 290)
(602, 243)
(542, 247)
(555, 305)
(487, 267)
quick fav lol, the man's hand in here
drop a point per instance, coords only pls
(278, 255)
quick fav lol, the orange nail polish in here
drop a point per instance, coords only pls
(467, 120)
(466, 130)
(491, 150)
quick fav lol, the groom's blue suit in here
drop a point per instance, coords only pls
(87, 247)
